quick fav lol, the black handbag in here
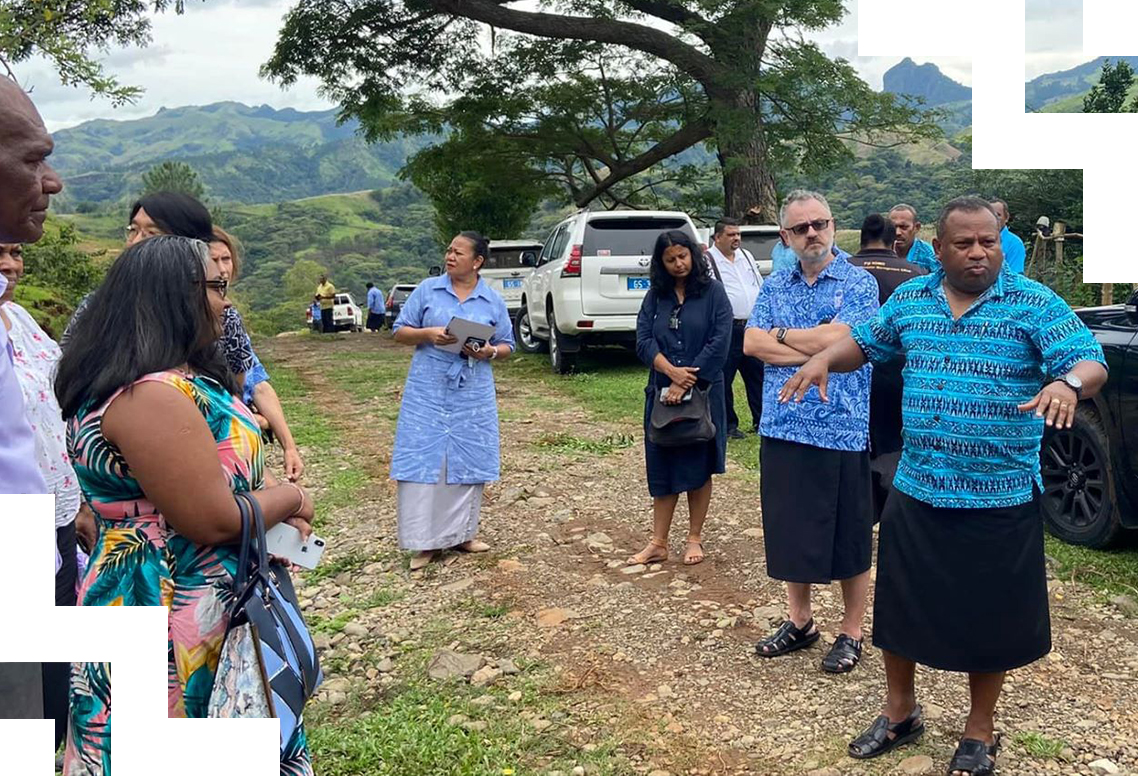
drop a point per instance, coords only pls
(686, 423)
(268, 664)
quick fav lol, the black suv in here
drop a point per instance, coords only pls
(1090, 471)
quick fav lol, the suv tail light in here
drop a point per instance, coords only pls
(572, 268)
(390, 303)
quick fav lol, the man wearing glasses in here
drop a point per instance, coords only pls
(815, 481)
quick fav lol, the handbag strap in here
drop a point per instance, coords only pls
(258, 528)
(241, 577)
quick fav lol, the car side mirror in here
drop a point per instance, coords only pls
(1131, 307)
(529, 259)
(435, 271)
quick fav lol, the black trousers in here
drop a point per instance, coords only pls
(374, 321)
(326, 320)
(752, 371)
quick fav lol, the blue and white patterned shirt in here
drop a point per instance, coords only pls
(842, 293)
(965, 442)
(922, 254)
(449, 409)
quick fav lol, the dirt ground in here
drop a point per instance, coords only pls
(675, 643)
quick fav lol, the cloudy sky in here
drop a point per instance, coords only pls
(1054, 36)
(214, 50)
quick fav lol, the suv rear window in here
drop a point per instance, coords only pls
(628, 236)
(760, 245)
(509, 258)
(342, 299)
(401, 294)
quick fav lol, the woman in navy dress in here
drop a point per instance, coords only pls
(683, 333)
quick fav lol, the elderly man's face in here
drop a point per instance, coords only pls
(809, 230)
(908, 227)
(969, 250)
(27, 181)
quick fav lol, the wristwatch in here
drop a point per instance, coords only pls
(493, 353)
(781, 334)
(1073, 382)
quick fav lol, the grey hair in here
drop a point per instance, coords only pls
(903, 206)
(800, 195)
(967, 204)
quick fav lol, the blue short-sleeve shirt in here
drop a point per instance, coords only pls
(922, 254)
(966, 443)
(842, 293)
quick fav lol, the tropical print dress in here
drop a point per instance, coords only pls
(139, 560)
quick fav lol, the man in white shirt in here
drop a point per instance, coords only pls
(735, 268)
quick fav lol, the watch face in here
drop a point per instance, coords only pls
(1073, 381)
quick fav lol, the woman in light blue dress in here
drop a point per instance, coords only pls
(446, 441)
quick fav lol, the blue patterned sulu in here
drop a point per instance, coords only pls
(965, 442)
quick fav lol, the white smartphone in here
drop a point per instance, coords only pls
(284, 541)
(686, 396)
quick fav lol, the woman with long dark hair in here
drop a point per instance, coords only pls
(683, 334)
(161, 442)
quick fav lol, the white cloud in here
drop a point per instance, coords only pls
(214, 51)
(1054, 36)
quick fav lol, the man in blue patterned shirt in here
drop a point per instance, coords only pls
(815, 485)
(908, 245)
(990, 358)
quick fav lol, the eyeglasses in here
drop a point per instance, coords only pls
(818, 226)
(136, 232)
(220, 286)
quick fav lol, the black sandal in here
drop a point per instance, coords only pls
(875, 740)
(843, 656)
(787, 639)
(975, 757)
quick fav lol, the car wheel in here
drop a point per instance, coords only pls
(561, 361)
(523, 333)
(1078, 501)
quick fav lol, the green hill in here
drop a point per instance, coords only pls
(1063, 92)
(241, 153)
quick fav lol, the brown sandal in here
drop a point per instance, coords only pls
(688, 555)
(634, 561)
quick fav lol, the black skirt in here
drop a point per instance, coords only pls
(817, 511)
(673, 470)
(961, 589)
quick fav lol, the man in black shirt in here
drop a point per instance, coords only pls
(889, 270)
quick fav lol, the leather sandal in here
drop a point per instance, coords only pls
(875, 740)
(974, 757)
(632, 560)
(786, 639)
(420, 561)
(843, 656)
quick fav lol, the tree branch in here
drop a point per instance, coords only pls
(684, 138)
(640, 37)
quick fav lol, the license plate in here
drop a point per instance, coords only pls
(639, 283)
(512, 283)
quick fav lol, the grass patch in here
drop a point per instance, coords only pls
(309, 426)
(412, 733)
(567, 443)
(331, 624)
(1038, 745)
(1110, 571)
(331, 567)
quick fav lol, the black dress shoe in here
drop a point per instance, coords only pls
(736, 434)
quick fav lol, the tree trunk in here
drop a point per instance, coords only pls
(748, 185)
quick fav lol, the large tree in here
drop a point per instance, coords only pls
(1109, 94)
(173, 176)
(597, 92)
(69, 32)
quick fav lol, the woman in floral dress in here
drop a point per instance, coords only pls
(160, 443)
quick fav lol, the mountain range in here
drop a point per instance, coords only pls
(260, 154)
(1062, 92)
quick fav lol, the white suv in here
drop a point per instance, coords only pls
(507, 266)
(589, 281)
(760, 241)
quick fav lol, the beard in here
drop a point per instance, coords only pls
(813, 254)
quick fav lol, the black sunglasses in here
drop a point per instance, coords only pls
(818, 225)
